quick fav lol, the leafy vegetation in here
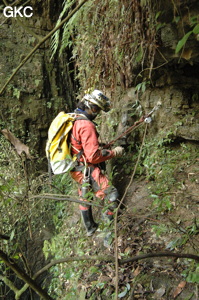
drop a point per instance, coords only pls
(109, 55)
(106, 53)
(195, 31)
(23, 216)
(111, 50)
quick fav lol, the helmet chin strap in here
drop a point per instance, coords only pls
(87, 104)
(92, 115)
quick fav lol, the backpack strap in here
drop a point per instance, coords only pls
(75, 139)
(80, 152)
(79, 117)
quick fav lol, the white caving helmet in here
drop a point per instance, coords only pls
(99, 99)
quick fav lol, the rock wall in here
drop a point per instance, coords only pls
(42, 86)
(173, 80)
(178, 110)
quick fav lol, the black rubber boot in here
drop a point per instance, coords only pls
(89, 223)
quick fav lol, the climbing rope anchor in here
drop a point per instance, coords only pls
(146, 119)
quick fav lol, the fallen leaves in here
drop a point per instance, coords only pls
(159, 293)
(19, 146)
(179, 289)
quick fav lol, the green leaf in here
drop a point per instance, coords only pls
(46, 249)
(183, 41)
(123, 294)
(82, 295)
(100, 285)
(196, 29)
(193, 277)
(176, 19)
(12, 234)
(139, 55)
(128, 286)
(158, 14)
(138, 86)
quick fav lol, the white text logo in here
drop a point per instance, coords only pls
(21, 11)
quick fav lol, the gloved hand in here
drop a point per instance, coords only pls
(118, 151)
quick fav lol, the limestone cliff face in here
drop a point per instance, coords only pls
(174, 81)
(176, 84)
(42, 87)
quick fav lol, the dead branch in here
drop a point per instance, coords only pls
(103, 258)
(111, 259)
(159, 254)
(107, 258)
(22, 275)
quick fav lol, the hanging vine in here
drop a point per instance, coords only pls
(107, 53)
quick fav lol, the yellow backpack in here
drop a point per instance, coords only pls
(57, 146)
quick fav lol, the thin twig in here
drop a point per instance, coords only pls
(58, 197)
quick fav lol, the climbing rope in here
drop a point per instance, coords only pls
(143, 119)
(116, 214)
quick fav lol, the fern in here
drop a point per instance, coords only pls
(71, 28)
(54, 43)
(55, 40)
(68, 30)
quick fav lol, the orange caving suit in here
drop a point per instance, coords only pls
(85, 137)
